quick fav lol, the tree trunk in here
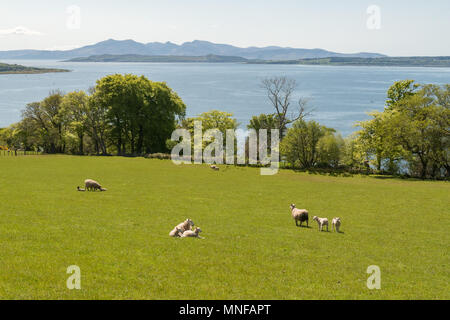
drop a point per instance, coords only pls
(81, 146)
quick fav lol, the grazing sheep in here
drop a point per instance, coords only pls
(81, 190)
(92, 185)
(192, 234)
(185, 226)
(336, 224)
(322, 222)
(299, 215)
(176, 233)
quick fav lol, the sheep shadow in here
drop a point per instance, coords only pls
(304, 227)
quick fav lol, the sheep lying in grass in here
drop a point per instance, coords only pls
(192, 234)
(176, 233)
(336, 224)
(214, 167)
(92, 185)
(185, 226)
(322, 222)
(299, 215)
(81, 190)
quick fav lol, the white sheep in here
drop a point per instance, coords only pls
(322, 222)
(214, 167)
(176, 233)
(185, 226)
(336, 224)
(92, 185)
(192, 234)
(299, 215)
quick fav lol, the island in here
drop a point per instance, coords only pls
(331, 61)
(18, 69)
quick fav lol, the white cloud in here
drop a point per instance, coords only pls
(20, 30)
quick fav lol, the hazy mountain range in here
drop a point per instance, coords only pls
(194, 48)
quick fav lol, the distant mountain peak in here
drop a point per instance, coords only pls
(193, 48)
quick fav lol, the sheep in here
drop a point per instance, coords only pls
(299, 215)
(81, 190)
(176, 233)
(92, 185)
(336, 224)
(322, 222)
(185, 226)
(192, 234)
(214, 167)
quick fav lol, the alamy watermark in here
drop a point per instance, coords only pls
(374, 281)
(73, 21)
(374, 19)
(213, 153)
(74, 281)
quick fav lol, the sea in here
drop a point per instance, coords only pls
(338, 96)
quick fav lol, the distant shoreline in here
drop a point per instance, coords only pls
(19, 69)
(443, 62)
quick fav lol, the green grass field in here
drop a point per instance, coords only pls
(251, 250)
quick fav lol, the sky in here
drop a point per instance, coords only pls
(396, 28)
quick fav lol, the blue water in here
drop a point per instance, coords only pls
(340, 96)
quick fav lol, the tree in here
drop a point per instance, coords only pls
(215, 119)
(47, 118)
(420, 126)
(279, 91)
(413, 129)
(301, 142)
(330, 150)
(141, 114)
(51, 109)
(400, 90)
(74, 109)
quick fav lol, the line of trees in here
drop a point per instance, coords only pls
(122, 114)
(410, 137)
(131, 115)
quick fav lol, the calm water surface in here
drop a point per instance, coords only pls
(340, 96)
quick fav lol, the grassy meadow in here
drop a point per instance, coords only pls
(251, 250)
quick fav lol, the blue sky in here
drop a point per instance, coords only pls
(408, 27)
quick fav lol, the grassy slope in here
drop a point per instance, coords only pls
(252, 247)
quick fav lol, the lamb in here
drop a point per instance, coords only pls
(192, 234)
(185, 226)
(322, 222)
(214, 167)
(299, 215)
(81, 190)
(336, 224)
(176, 233)
(92, 185)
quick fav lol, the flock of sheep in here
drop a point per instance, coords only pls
(302, 215)
(185, 229)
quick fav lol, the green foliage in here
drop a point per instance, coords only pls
(399, 91)
(264, 121)
(211, 120)
(142, 113)
(214, 119)
(330, 150)
(125, 114)
(413, 129)
(301, 144)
